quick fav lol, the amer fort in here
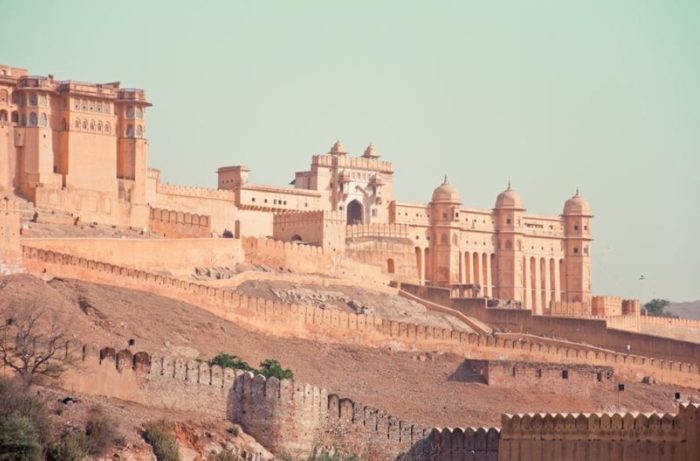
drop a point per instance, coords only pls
(477, 333)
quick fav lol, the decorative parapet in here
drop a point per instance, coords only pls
(378, 230)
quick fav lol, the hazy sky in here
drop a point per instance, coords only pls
(601, 95)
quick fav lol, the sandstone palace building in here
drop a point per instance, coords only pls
(81, 149)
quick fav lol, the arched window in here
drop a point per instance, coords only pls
(14, 117)
(508, 245)
(454, 239)
(64, 124)
(32, 99)
(3, 116)
(43, 120)
(139, 131)
(43, 101)
(77, 123)
(83, 104)
(98, 106)
(92, 125)
(32, 119)
(23, 120)
(76, 104)
(139, 112)
(130, 131)
(108, 128)
(99, 127)
(130, 112)
(85, 125)
(3, 96)
(443, 238)
(15, 97)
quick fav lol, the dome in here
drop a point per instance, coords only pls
(577, 205)
(509, 199)
(371, 152)
(446, 193)
(338, 149)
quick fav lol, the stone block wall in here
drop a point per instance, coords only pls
(10, 249)
(322, 228)
(561, 377)
(179, 224)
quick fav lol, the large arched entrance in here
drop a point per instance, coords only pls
(354, 212)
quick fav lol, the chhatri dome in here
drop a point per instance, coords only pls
(338, 149)
(446, 193)
(577, 205)
(371, 152)
(509, 199)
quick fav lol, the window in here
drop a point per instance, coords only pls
(32, 100)
(130, 131)
(538, 373)
(576, 250)
(85, 125)
(3, 96)
(92, 125)
(565, 374)
(599, 376)
(139, 112)
(374, 212)
(83, 105)
(43, 100)
(108, 128)
(508, 221)
(3, 116)
(43, 120)
(99, 127)
(509, 246)
(575, 227)
(443, 238)
(77, 123)
(15, 97)
(14, 117)
(139, 131)
(92, 106)
(585, 250)
(130, 112)
(32, 119)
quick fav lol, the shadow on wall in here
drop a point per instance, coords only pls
(465, 374)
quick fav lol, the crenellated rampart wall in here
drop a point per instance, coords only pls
(179, 224)
(593, 437)
(310, 322)
(595, 331)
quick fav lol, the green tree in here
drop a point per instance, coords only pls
(225, 360)
(159, 436)
(657, 307)
(271, 367)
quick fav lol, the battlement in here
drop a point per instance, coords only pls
(344, 161)
(569, 309)
(196, 192)
(315, 216)
(564, 377)
(611, 306)
(179, 224)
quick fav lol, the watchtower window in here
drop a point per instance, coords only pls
(575, 250)
(599, 376)
(565, 374)
(538, 373)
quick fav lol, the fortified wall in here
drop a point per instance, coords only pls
(179, 255)
(10, 250)
(293, 418)
(325, 325)
(586, 330)
(386, 246)
(323, 228)
(179, 224)
(567, 378)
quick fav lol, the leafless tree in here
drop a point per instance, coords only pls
(32, 345)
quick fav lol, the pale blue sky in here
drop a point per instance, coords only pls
(601, 95)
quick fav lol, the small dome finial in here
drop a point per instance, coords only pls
(445, 181)
(577, 194)
(509, 188)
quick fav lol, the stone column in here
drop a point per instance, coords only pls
(547, 284)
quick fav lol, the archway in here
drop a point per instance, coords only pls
(390, 266)
(297, 238)
(354, 212)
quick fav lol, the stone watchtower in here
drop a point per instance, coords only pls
(444, 235)
(510, 276)
(132, 148)
(577, 230)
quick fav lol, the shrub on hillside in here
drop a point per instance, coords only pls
(159, 436)
(271, 367)
(16, 400)
(72, 446)
(102, 432)
(225, 360)
(225, 455)
(19, 440)
(325, 456)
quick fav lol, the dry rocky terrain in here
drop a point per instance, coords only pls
(427, 388)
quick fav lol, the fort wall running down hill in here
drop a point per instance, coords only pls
(292, 418)
(292, 320)
(594, 331)
(179, 255)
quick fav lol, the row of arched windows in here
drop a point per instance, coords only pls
(91, 125)
(132, 132)
(132, 112)
(33, 120)
(31, 99)
(88, 105)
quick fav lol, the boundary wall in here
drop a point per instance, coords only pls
(559, 376)
(292, 418)
(309, 322)
(593, 437)
(10, 249)
(180, 255)
(323, 228)
(179, 224)
(595, 331)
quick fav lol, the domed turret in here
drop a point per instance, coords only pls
(338, 149)
(371, 152)
(577, 205)
(446, 193)
(509, 199)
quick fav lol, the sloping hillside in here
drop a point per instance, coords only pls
(687, 310)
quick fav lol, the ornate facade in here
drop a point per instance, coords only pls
(81, 148)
